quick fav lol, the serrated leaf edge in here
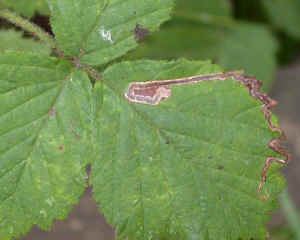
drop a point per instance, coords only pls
(268, 103)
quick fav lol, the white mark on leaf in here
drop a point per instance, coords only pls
(50, 201)
(43, 213)
(106, 35)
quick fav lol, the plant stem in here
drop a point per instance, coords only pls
(28, 26)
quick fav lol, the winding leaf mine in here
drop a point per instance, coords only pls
(254, 86)
(153, 92)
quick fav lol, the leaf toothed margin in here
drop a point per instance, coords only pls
(254, 86)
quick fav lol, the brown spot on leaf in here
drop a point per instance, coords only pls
(77, 139)
(52, 112)
(140, 33)
(60, 147)
(220, 167)
(81, 52)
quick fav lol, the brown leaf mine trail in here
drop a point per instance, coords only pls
(254, 86)
(153, 92)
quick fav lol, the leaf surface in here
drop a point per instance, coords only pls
(44, 112)
(109, 26)
(180, 39)
(187, 168)
(13, 40)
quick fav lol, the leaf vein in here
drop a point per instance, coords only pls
(28, 100)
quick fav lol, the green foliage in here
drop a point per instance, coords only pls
(42, 144)
(205, 29)
(106, 35)
(72, 21)
(26, 8)
(284, 14)
(187, 168)
(13, 40)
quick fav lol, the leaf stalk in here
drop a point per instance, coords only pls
(28, 26)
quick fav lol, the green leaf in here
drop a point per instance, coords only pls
(13, 40)
(45, 108)
(109, 26)
(187, 34)
(240, 50)
(189, 167)
(180, 39)
(72, 21)
(285, 14)
(27, 8)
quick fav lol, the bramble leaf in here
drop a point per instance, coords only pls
(104, 30)
(13, 40)
(285, 15)
(180, 39)
(44, 114)
(27, 8)
(189, 167)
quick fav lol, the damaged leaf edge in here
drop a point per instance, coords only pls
(268, 103)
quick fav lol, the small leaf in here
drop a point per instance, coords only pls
(189, 167)
(44, 114)
(27, 8)
(104, 30)
(285, 14)
(13, 40)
